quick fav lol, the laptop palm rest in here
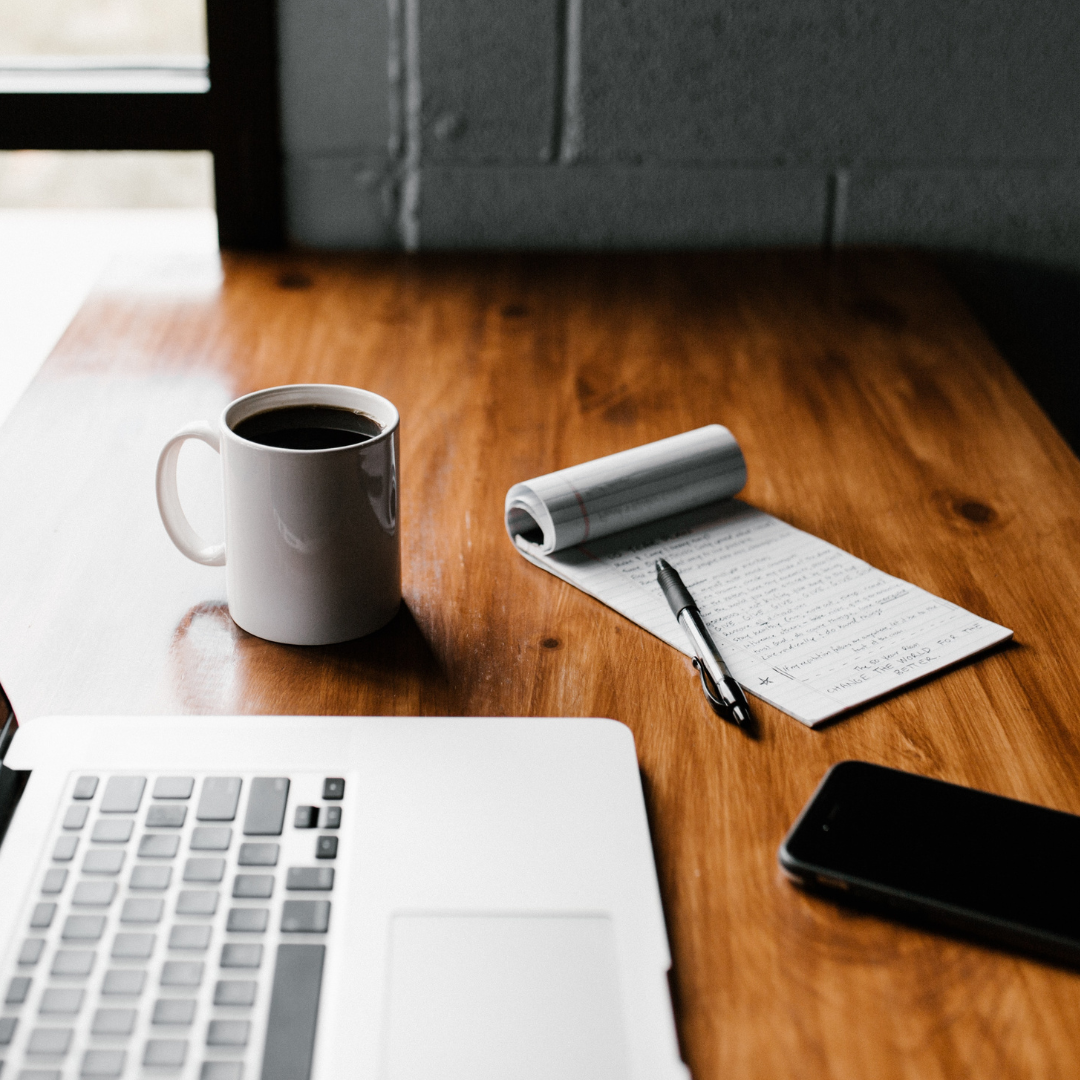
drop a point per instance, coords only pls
(504, 997)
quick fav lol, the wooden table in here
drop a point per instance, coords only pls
(872, 411)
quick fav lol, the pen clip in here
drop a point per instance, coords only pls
(707, 685)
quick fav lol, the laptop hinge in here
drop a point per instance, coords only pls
(12, 783)
(8, 723)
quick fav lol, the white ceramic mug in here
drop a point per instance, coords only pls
(312, 551)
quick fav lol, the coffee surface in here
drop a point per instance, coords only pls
(308, 427)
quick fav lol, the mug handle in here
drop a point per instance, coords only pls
(173, 518)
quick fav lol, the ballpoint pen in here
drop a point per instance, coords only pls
(725, 694)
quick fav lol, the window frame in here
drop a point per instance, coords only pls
(237, 120)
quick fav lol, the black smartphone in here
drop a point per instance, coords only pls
(993, 867)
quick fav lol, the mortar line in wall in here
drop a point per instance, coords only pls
(836, 207)
(394, 64)
(395, 103)
(409, 208)
(554, 146)
(569, 131)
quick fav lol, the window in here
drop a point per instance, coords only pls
(120, 81)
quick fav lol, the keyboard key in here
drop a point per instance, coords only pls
(204, 870)
(151, 877)
(102, 1064)
(103, 861)
(168, 1052)
(196, 902)
(333, 788)
(30, 953)
(258, 854)
(114, 1022)
(94, 894)
(7, 1029)
(190, 936)
(228, 1033)
(158, 846)
(266, 806)
(241, 956)
(54, 881)
(211, 838)
(123, 794)
(235, 992)
(315, 878)
(75, 818)
(112, 830)
(142, 910)
(253, 886)
(63, 1001)
(49, 1041)
(42, 916)
(326, 847)
(306, 817)
(174, 787)
(83, 927)
(220, 794)
(220, 1070)
(64, 850)
(248, 920)
(123, 982)
(305, 916)
(181, 973)
(174, 1011)
(166, 817)
(85, 787)
(17, 990)
(73, 962)
(332, 817)
(294, 1007)
(133, 946)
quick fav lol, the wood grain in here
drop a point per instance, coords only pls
(873, 412)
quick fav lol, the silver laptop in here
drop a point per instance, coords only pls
(278, 898)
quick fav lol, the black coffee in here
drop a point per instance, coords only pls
(308, 427)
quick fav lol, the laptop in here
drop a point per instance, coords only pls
(285, 898)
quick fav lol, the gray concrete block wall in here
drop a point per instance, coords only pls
(1027, 212)
(605, 207)
(630, 123)
(336, 122)
(831, 81)
(488, 74)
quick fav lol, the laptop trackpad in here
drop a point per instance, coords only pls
(504, 997)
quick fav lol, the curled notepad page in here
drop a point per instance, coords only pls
(605, 496)
(807, 627)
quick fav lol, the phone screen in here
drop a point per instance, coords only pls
(945, 847)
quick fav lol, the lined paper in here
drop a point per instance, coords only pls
(802, 624)
(617, 492)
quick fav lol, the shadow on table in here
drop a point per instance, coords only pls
(1063, 955)
(219, 668)
(399, 646)
(1032, 314)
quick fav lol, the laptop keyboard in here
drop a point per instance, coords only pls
(178, 929)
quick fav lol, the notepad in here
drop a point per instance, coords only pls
(802, 624)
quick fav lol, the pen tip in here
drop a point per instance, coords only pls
(661, 564)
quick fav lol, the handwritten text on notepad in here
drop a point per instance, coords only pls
(802, 624)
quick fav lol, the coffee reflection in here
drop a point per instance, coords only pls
(308, 427)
